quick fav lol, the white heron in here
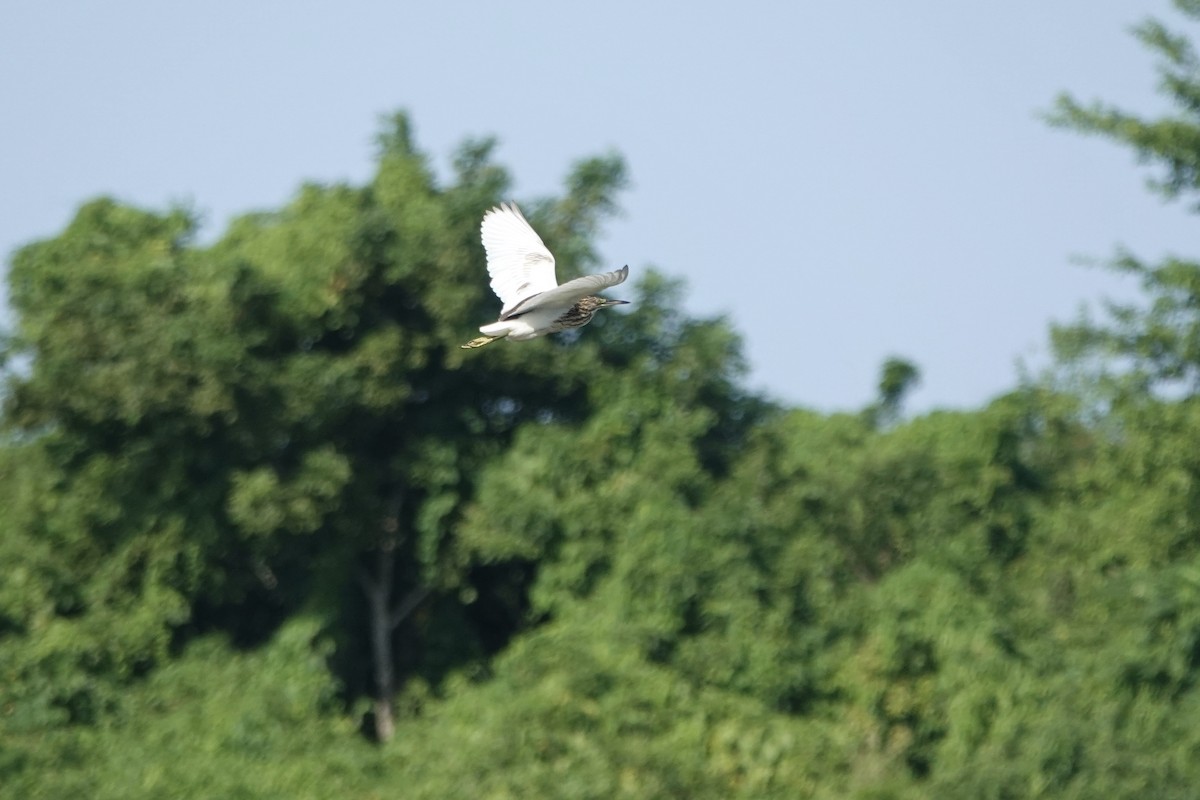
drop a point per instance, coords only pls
(522, 272)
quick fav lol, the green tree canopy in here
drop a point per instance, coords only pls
(266, 531)
(1158, 344)
(267, 420)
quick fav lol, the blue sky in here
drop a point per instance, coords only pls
(845, 181)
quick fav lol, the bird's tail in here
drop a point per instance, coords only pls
(479, 342)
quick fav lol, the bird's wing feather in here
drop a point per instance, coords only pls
(569, 293)
(517, 260)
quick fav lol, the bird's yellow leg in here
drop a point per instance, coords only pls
(480, 342)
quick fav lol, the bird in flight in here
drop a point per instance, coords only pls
(522, 272)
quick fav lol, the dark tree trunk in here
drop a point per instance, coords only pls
(378, 590)
(379, 585)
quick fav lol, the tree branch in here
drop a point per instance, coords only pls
(408, 605)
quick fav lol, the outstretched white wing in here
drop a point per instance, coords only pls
(517, 260)
(569, 293)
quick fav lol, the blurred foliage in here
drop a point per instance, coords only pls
(1156, 345)
(267, 531)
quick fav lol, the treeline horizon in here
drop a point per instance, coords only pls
(266, 531)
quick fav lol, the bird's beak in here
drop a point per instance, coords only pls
(617, 303)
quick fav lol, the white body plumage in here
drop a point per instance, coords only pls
(527, 326)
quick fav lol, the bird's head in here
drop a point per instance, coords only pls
(595, 302)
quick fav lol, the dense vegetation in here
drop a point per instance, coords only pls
(267, 532)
